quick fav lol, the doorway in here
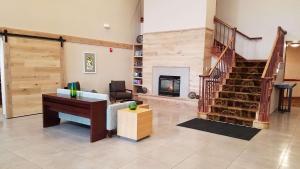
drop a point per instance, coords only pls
(292, 71)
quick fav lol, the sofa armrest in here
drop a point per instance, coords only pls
(111, 114)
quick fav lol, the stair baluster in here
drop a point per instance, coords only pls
(210, 83)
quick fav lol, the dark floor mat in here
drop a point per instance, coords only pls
(225, 129)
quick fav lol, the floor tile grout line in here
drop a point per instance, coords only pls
(25, 159)
(239, 155)
(155, 160)
(177, 164)
(285, 152)
(288, 147)
(195, 152)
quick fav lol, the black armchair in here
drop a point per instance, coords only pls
(118, 91)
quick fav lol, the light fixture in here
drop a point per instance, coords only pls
(294, 45)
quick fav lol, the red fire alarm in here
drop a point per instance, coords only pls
(110, 50)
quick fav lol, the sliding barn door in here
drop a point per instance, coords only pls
(32, 67)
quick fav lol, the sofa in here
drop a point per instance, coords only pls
(111, 112)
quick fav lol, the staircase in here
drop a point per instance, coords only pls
(238, 99)
(237, 90)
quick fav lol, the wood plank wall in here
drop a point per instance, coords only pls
(71, 39)
(183, 48)
(32, 67)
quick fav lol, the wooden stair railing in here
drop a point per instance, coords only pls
(210, 83)
(224, 47)
(268, 75)
(223, 33)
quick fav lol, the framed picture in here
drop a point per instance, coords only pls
(89, 63)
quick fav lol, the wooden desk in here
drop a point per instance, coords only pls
(94, 109)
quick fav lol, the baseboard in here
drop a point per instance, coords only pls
(261, 125)
(202, 115)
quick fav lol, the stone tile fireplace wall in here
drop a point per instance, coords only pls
(177, 49)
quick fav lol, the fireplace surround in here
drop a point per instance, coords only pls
(169, 86)
(182, 72)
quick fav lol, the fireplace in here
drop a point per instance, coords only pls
(169, 86)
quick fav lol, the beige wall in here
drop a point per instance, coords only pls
(211, 6)
(85, 19)
(292, 70)
(110, 66)
(79, 17)
(261, 18)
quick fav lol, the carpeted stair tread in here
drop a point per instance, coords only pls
(256, 94)
(241, 86)
(244, 79)
(234, 111)
(250, 64)
(255, 61)
(252, 61)
(260, 67)
(244, 82)
(246, 73)
(245, 104)
(234, 117)
(237, 100)
(236, 75)
(248, 69)
(239, 95)
(235, 108)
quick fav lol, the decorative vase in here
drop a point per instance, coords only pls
(73, 90)
(132, 106)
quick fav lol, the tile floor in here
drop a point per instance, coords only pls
(24, 144)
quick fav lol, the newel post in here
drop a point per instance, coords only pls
(202, 97)
(262, 119)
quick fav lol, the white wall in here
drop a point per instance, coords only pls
(166, 15)
(261, 18)
(84, 19)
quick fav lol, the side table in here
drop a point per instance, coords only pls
(134, 124)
